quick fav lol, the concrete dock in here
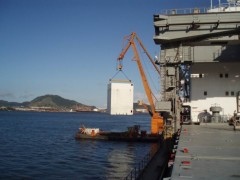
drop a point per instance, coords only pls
(207, 151)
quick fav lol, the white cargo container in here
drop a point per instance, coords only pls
(120, 97)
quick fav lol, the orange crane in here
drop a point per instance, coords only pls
(157, 123)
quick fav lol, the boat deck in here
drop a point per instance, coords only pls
(207, 151)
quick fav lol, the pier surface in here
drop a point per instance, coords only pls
(207, 151)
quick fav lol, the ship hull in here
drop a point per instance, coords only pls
(118, 136)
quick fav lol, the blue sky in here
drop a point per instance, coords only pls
(69, 47)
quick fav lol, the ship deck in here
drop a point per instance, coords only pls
(207, 151)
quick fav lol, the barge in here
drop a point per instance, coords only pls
(133, 134)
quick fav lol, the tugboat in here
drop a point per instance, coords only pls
(133, 134)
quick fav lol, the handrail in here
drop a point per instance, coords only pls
(184, 11)
(138, 169)
(221, 7)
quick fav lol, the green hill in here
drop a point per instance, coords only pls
(53, 101)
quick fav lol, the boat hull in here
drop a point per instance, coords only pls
(118, 136)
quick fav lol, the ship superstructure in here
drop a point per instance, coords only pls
(200, 61)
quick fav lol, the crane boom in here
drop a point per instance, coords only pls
(157, 120)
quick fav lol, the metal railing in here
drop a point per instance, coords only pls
(137, 170)
(221, 8)
(184, 11)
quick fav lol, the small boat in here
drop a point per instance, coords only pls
(133, 134)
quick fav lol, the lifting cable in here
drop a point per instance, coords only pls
(122, 73)
(147, 71)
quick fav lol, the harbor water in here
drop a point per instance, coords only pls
(37, 145)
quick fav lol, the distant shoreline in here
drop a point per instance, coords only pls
(23, 109)
(43, 109)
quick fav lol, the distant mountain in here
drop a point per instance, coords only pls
(12, 104)
(53, 101)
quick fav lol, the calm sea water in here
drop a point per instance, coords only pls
(42, 146)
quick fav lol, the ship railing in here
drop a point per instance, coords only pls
(226, 5)
(138, 169)
(184, 11)
(220, 8)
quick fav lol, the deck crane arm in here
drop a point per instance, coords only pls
(157, 120)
